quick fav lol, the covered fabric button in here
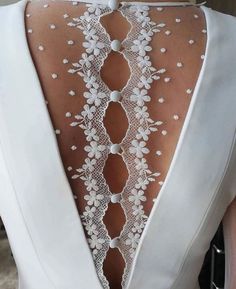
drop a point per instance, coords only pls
(115, 95)
(114, 242)
(115, 148)
(113, 4)
(115, 198)
(115, 45)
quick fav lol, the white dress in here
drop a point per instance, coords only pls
(52, 252)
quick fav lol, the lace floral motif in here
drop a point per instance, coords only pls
(97, 45)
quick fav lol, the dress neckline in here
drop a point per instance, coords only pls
(157, 3)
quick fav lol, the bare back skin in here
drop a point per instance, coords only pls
(179, 48)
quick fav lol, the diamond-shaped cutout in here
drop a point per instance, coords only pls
(115, 71)
(114, 117)
(117, 179)
(113, 268)
(108, 21)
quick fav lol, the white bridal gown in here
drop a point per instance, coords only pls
(54, 246)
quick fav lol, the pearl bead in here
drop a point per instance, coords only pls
(189, 91)
(71, 92)
(191, 41)
(54, 76)
(70, 42)
(179, 64)
(115, 198)
(115, 148)
(41, 48)
(168, 32)
(175, 117)
(159, 153)
(68, 114)
(115, 95)
(114, 242)
(65, 61)
(164, 132)
(115, 45)
(73, 147)
(52, 26)
(57, 131)
(161, 100)
(113, 4)
(177, 20)
(30, 30)
(69, 168)
(163, 50)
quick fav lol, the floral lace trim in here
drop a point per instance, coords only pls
(136, 46)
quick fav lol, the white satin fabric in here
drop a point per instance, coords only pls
(36, 202)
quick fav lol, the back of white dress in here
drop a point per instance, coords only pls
(119, 86)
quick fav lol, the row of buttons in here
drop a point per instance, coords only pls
(115, 97)
(113, 4)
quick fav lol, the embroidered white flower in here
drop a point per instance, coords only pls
(95, 9)
(145, 82)
(144, 62)
(94, 149)
(138, 148)
(141, 46)
(138, 227)
(88, 111)
(138, 210)
(140, 96)
(95, 243)
(90, 183)
(133, 240)
(90, 132)
(94, 97)
(143, 133)
(137, 196)
(90, 34)
(142, 184)
(145, 35)
(86, 60)
(89, 211)
(93, 198)
(141, 113)
(90, 80)
(141, 165)
(91, 228)
(93, 46)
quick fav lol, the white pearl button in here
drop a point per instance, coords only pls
(114, 242)
(113, 4)
(115, 148)
(115, 95)
(115, 198)
(115, 45)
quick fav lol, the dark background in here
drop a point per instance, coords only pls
(225, 6)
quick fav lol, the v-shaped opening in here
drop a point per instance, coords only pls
(180, 140)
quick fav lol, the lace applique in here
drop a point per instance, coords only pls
(133, 149)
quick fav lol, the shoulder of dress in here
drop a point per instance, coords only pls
(11, 9)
